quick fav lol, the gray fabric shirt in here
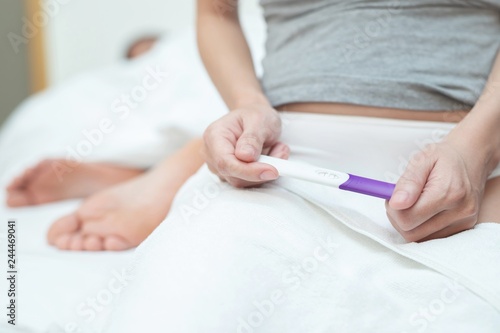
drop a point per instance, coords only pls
(415, 54)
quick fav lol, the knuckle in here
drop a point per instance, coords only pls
(424, 158)
(250, 138)
(471, 210)
(457, 194)
(408, 178)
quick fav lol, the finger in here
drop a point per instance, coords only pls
(257, 133)
(450, 230)
(280, 150)
(441, 193)
(412, 182)
(249, 145)
(431, 203)
(230, 167)
(441, 225)
(410, 235)
(240, 183)
(220, 147)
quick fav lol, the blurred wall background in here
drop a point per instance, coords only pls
(59, 38)
(14, 71)
(84, 34)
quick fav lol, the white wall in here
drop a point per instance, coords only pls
(85, 34)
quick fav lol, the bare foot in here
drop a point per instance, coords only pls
(115, 219)
(53, 180)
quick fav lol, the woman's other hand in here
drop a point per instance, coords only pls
(440, 192)
(234, 143)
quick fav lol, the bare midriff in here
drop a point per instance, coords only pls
(378, 112)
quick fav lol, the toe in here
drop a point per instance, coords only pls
(66, 225)
(115, 243)
(93, 243)
(76, 242)
(63, 241)
(18, 198)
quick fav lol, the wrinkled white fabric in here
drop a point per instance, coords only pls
(293, 256)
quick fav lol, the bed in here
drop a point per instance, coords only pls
(73, 291)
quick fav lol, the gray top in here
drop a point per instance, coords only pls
(414, 54)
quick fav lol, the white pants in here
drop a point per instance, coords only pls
(298, 257)
(376, 147)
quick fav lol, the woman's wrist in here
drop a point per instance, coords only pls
(478, 137)
(249, 97)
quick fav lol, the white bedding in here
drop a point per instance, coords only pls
(294, 256)
(55, 287)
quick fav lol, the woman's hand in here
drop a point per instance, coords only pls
(235, 141)
(440, 192)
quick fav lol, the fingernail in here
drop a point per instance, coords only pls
(400, 196)
(268, 175)
(248, 150)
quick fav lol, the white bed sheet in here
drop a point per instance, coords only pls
(55, 288)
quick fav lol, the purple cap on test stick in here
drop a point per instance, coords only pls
(374, 188)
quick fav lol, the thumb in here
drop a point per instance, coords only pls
(410, 186)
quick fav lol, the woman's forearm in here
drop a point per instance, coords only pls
(480, 129)
(226, 54)
(180, 166)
